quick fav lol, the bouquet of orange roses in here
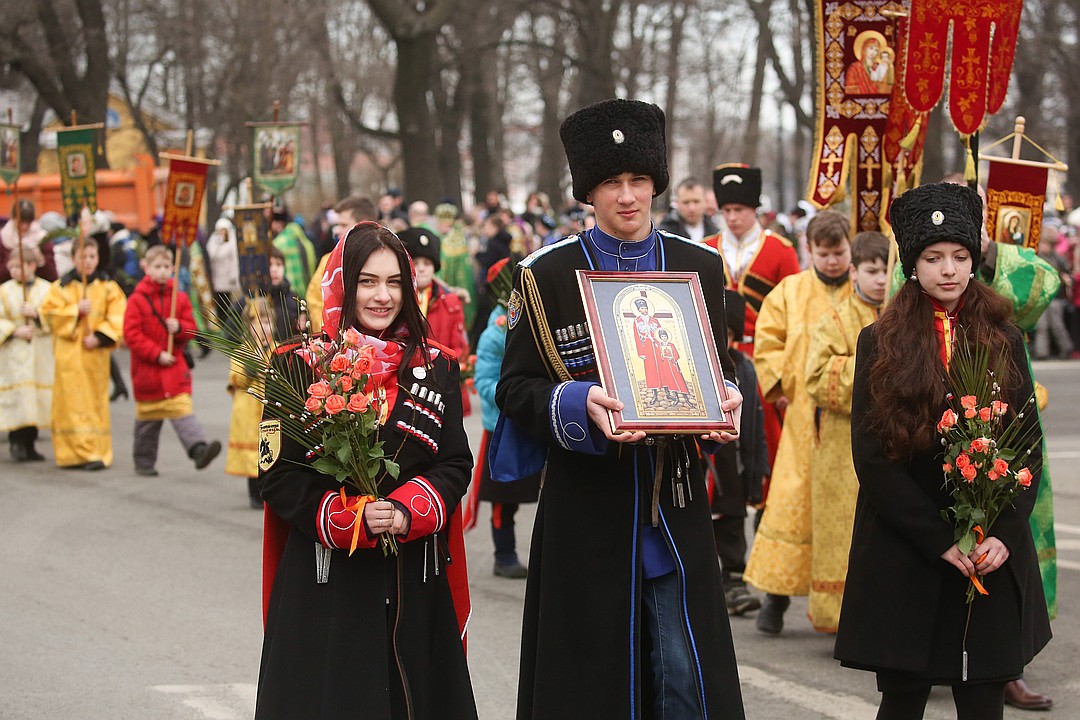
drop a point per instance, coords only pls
(329, 403)
(987, 448)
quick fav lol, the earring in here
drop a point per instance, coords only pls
(914, 276)
(971, 275)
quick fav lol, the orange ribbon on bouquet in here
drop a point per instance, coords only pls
(358, 508)
(979, 537)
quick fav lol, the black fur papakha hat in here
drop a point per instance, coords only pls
(420, 242)
(737, 183)
(942, 212)
(611, 137)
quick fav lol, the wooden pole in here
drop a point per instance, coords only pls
(175, 288)
(1018, 136)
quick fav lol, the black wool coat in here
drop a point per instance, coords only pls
(380, 638)
(584, 648)
(904, 607)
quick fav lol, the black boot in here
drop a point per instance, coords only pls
(18, 451)
(771, 618)
(204, 453)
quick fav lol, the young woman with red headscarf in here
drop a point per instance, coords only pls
(370, 635)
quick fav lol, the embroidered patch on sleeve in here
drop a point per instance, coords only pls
(269, 443)
(513, 311)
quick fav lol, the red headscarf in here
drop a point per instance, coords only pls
(333, 284)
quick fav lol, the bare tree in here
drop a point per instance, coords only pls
(61, 47)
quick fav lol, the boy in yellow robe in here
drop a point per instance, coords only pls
(830, 373)
(87, 323)
(26, 355)
(780, 558)
(242, 455)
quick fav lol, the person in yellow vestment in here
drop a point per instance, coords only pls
(779, 561)
(87, 323)
(26, 355)
(830, 372)
(242, 456)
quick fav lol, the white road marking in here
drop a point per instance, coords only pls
(1064, 455)
(232, 701)
(1060, 528)
(830, 705)
(1068, 564)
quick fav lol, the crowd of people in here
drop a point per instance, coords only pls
(843, 487)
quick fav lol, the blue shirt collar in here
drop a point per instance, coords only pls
(613, 247)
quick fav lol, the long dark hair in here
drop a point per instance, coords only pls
(907, 383)
(409, 325)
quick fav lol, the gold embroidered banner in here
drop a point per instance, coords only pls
(10, 154)
(253, 245)
(75, 148)
(984, 34)
(906, 133)
(183, 198)
(856, 52)
(1015, 195)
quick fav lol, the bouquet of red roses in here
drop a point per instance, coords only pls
(987, 448)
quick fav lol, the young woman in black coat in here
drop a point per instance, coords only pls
(370, 635)
(904, 613)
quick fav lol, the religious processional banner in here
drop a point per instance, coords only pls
(253, 238)
(905, 136)
(183, 199)
(856, 54)
(10, 154)
(984, 34)
(75, 148)
(277, 156)
(1014, 201)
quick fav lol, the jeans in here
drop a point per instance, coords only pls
(673, 669)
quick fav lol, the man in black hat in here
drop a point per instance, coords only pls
(756, 259)
(620, 613)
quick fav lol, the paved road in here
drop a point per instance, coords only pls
(128, 597)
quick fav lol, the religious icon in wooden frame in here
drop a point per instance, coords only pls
(655, 351)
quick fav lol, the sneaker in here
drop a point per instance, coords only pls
(146, 472)
(514, 570)
(740, 601)
(204, 453)
(771, 618)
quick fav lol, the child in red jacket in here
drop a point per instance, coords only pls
(162, 379)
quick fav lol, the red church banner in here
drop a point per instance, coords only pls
(906, 133)
(984, 34)
(856, 54)
(1015, 195)
(183, 199)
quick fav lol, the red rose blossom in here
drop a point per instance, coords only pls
(340, 363)
(313, 404)
(969, 472)
(358, 403)
(1023, 476)
(320, 389)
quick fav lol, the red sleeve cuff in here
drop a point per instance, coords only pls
(335, 523)
(426, 507)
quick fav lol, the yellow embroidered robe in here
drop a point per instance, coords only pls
(780, 557)
(242, 455)
(81, 427)
(830, 373)
(26, 368)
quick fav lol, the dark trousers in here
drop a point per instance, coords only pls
(147, 432)
(974, 701)
(25, 436)
(729, 533)
(502, 532)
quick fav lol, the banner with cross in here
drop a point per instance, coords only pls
(856, 55)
